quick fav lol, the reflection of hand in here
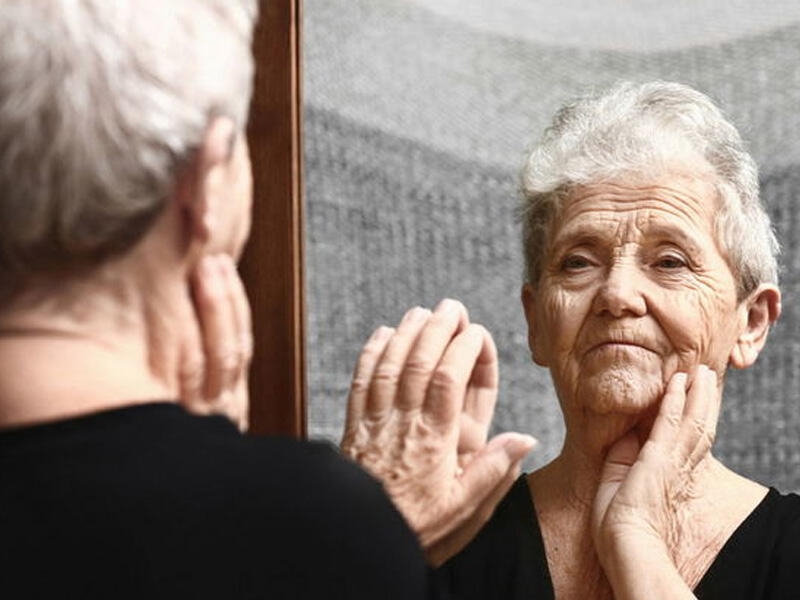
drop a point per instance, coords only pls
(419, 410)
(641, 490)
(216, 354)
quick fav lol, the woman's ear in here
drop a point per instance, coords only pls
(759, 311)
(528, 296)
(201, 184)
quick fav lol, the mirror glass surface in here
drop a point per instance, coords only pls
(417, 117)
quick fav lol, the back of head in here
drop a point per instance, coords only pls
(648, 130)
(101, 102)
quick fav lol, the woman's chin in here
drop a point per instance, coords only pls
(621, 391)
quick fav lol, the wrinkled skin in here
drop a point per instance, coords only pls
(217, 351)
(419, 411)
(634, 290)
(640, 487)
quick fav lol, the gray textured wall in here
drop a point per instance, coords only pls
(417, 115)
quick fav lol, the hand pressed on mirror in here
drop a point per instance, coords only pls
(419, 411)
(644, 490)
(216, 354)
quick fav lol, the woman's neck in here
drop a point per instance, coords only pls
(576, 470)
(564, 491)
(68, 377)
(104, 343)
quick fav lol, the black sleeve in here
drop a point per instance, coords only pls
(784, 579)
(351, 538)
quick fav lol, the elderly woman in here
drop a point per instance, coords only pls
(124, 202)
(651, 269)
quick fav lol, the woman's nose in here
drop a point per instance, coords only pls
(621, 292)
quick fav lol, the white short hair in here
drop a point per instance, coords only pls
(101, 101)
(644, 129)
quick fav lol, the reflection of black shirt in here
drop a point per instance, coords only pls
(507, 561)
(151, 502)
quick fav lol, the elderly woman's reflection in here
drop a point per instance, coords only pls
(648, 256)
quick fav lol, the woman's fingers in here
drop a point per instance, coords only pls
(444, 401)
(687, 420)
(399, 376)
(413, 389)
(217, 351)
(364, 371)
(702, 414)
(242, 314)
(670, 413)
(483, 484)
(396, 366)
(486, 499)
(640, 488)
(382, 393)
(448, 319)
(480, 398)
(242, 320)
(218, 327)
(494, 463)
(191, 368)
(621, 457)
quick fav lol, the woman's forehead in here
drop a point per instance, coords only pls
(680, 209)
(682, 197)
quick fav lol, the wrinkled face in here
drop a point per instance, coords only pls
(634, 288)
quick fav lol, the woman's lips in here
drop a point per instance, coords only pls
(614, 345)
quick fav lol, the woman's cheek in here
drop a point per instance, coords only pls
(675, 363)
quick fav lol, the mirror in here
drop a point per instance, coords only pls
(417, 115)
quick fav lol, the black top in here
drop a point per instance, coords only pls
(507, 561)
(151, 502)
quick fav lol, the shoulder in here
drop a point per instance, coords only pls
(775, 523)
(323, 510)
(786, 551)
(761, 560)
(304, 493)
(204, 507)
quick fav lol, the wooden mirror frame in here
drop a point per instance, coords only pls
(272, 266)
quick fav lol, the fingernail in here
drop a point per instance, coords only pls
(415, 315)
(447, 306)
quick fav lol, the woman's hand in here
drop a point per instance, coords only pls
(419, 411)
(641, 490)
(216, 353)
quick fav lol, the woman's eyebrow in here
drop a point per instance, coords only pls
(580, 235)
(593, 234)
(675, 234)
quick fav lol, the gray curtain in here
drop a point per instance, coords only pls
(417, 116)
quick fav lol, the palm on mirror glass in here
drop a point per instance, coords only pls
(419, 410)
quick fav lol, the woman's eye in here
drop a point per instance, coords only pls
(670, 262)
(574, 262)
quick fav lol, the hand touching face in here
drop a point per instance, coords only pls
(216, 351)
